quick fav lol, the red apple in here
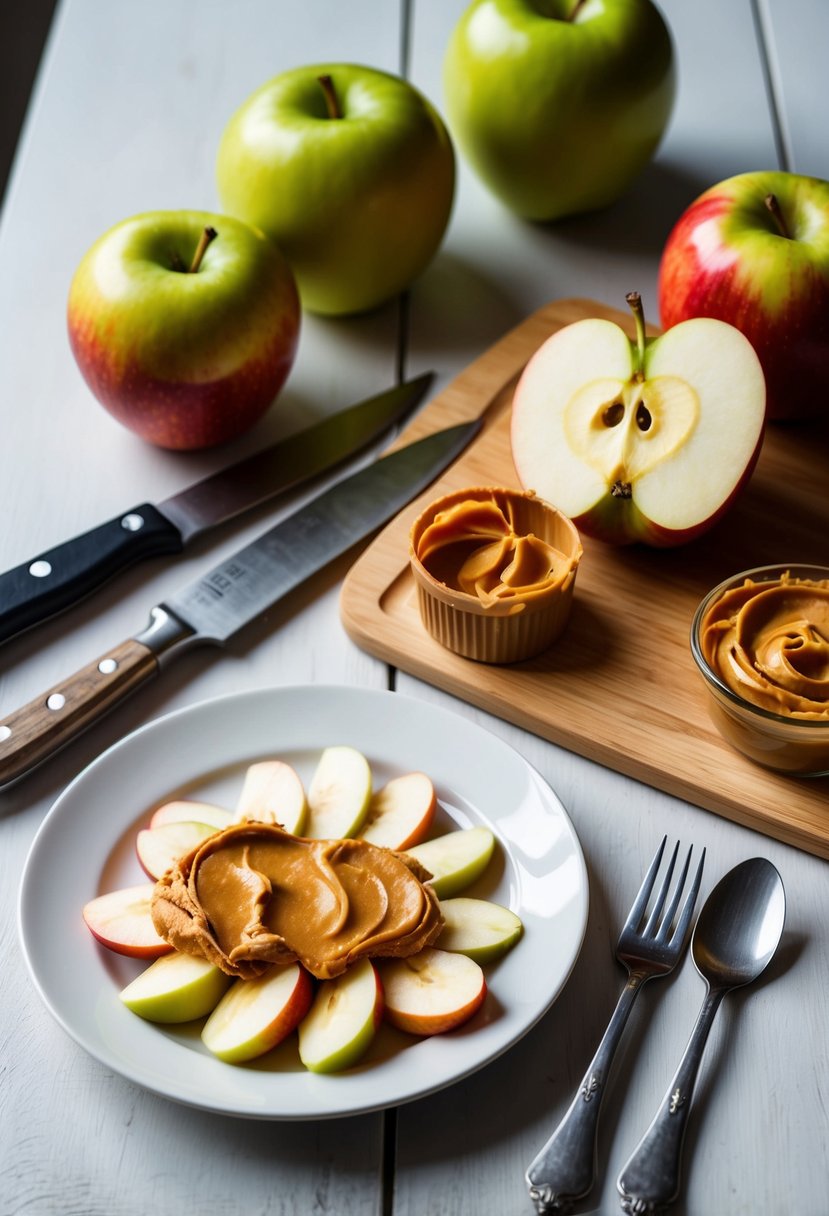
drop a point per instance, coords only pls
(401, 813)
(255, 1015)
(184, 325)
(182, 810)
(432, 992)
(121, 921)
(647, 440)
(754, 251)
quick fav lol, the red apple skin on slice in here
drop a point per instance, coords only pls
(432, 992)
(121, 921)
(186, 811)
(401, 813)
(254, 1016)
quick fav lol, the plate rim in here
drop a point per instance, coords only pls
(278, 693)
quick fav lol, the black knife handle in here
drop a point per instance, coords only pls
(52, 581)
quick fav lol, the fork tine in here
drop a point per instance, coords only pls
(668, 919)
(641, 902)
(684, 922)
(656, 911)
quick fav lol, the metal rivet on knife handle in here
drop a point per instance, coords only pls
(37, 730)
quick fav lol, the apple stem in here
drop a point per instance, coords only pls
(332, 101)
(206, 237)
(575, 12)
(635, 302)
(777, 215)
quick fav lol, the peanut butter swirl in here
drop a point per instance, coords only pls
(769, 642)
(475, 546)
(253, 895)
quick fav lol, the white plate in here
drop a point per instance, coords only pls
(85, 848)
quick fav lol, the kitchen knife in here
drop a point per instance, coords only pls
(214, 607)
(54, 580)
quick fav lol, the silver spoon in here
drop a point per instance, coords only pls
(736, 935)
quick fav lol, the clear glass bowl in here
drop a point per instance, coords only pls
(798, 746)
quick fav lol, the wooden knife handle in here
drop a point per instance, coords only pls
(33, 733)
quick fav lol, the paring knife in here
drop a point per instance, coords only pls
(231, 595)
(54, 580)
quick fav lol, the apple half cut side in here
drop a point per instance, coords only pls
(121, 921)
(645, 440)
(160, 848)
(432, 991)
(272, 792)
(176, 988)
(478, 928)
(254, 1016)
(401, 813)
(183, 810)
(456, 859)
(341, 1024)
(338, 795)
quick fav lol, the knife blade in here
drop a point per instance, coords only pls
(214, 607)
(52, 581)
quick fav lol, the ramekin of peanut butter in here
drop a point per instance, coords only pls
(761, 642)
(495, 571)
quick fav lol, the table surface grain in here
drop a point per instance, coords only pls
(127, 110)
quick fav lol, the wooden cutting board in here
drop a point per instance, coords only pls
(620, 687)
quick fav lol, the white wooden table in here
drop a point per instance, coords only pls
(126, 115)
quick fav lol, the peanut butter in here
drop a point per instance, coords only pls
(253, 895)
(477, 546)
(769, 643)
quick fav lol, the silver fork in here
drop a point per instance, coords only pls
(565, 1169)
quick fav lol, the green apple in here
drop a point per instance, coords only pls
(272, 792)
(478, 928)
(341, 1023)
(648, 440)
(254, 1016)
(176, 988)
(432, 992)
(401, 813)
(351, 171)
(339, 794)
(185, 325)
(456, 859)
(754, 251)
(558, 104)
(160, 848)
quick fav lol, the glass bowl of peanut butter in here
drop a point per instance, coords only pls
(761, 643)
(495, 570)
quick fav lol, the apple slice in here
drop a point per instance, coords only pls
(160, 848)
(273, 793)
(456, 859)
(176, 988)
(401, 813)
(254, 1016)
(478, 928)
(121, 921)
(182, 811)
(648, 440)
(339, 794)
(433, 991)
(343, 1019)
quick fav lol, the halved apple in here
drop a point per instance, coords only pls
(433, 991)
(160, 848)
(401, 813)
(343, 1019)
(456, 859)
(254, 1016)
(649, 440)
(273, 793)
(176, 988)
(478, 928)
(339, 794)
(182, 810)
(121, 920)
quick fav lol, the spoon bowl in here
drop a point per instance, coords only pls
(739, 927)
